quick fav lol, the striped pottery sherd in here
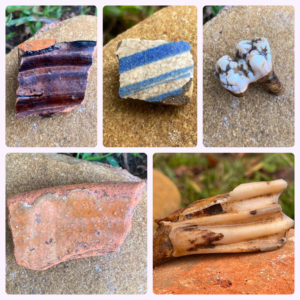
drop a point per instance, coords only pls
(52, 76)
(156, 71)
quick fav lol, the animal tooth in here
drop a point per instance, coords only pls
(248, 219)
(252, 63)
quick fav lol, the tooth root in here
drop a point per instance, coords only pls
(247, 219)
(273, 84)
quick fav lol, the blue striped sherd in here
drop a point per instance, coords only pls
(155, 71)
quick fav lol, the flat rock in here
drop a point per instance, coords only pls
(147, 124)
(258, 119)
(249, 273)
(155, 71)
(122, 272)
(56, 224)
(52, 76)
(78, 128)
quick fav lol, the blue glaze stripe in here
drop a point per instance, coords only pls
(163, 96)
(137, 87)
(151, 55)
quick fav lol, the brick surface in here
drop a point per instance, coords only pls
(247, 273)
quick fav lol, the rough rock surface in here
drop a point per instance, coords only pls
(146, 124)
(259, 118)
(123, 272)
(257, 273)
(166, 197)
(79, 128)
(60, 223)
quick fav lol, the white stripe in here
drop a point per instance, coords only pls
(157, 90)
(132, 46)
(156, 68)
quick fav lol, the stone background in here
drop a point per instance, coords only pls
(236, 273)
(258, 119)
(76, 129)
(134, 123)
(124, 272)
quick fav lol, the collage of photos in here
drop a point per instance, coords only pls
(124, 176)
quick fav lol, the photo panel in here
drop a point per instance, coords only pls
(51, 76)
(248, 76)
(76, 223)
(150, 76)
(223, 223)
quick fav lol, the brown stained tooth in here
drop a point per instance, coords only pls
(247, 219)
(253, 63)
(52, 76)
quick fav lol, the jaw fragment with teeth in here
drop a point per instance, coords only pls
(248, 219)
(253, 63)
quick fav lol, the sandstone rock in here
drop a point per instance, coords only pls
(56, 224)
(257, 273)
(76, 129)
(166, 197)
(52, 76)
(147, 124)
(123, 272)
(155, 71)
(258, 119)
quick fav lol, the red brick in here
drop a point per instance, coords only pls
(245, 273)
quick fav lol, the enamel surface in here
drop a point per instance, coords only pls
(253, 61)
(247, 219)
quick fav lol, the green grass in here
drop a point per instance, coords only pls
(216, 9)
(204, 175)
(117, 19)
(126, 10)
(107, 158)
(34, 17)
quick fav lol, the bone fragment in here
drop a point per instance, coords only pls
(248, 219)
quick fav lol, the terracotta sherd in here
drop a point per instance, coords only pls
(56, 224)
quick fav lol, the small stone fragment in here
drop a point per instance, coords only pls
(52, 76)
(156, 71)
(57, 224)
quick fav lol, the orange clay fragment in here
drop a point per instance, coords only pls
(35, 45)
(56, 224)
